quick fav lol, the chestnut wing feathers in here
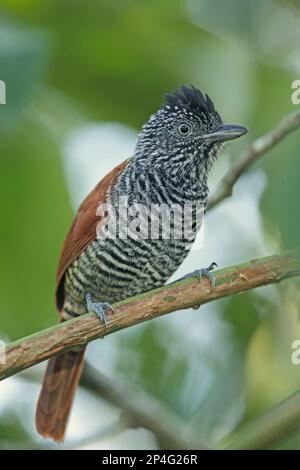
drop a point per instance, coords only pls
(83, 229)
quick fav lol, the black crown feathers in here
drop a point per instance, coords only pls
(191, 99)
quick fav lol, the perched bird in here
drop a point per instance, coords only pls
(174, 153)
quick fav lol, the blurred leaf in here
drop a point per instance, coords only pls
(35, 214)
(243, 312)
(11, 430)
(23, 56)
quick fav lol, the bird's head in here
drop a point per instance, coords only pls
(185, 132)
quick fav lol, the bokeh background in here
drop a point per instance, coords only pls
(82, 77)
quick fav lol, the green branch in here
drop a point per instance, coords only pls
(187, 293)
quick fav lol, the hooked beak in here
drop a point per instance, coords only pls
(225, 132)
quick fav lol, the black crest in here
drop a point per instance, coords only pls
(191, 99)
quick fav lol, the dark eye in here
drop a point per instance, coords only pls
(184, 128)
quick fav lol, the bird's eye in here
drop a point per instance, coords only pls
(184, 129)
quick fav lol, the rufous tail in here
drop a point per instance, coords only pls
(55, 401)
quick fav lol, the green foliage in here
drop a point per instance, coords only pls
(12, 431)
(23, 55)
(67, 62)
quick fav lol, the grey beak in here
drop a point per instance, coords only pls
(225, 132)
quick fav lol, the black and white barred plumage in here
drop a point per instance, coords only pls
(170, 166)
(115, 250)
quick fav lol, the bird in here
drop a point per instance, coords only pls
(175, 151)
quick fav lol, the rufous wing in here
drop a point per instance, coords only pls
(83, 229)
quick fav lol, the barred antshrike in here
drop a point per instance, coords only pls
(170, 165)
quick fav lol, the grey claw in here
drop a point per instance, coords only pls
(98, 308)
(107, 306)
(205, 272)
(212, 266)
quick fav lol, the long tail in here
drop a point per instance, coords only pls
(57, 393)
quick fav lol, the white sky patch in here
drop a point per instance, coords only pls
(91, 151)
(9, 393)
(130, 439)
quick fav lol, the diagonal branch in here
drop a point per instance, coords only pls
(269, 429)
(180, 295)
(140, 409)
(258, 148)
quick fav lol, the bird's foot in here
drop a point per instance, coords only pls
(204, 272)
(99, 308)
(200, 273)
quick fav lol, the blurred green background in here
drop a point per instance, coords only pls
(82, 77)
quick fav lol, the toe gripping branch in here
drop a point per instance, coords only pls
(204, 272)
(99, 308)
